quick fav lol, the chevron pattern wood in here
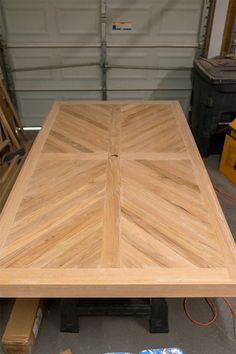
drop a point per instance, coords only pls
(114, 200)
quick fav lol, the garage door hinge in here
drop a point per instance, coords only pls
(103, 18)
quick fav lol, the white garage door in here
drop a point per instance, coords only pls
(135, 50)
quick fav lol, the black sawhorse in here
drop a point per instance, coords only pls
(155, 308)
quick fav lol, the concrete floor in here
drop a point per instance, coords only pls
(104, 334)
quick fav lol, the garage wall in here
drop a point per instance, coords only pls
(161, 33)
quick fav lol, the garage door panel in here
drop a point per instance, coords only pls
(154, 80)
(155, 20)
(21, 59)
(183, 97)
(52, 21)
(34, 106)
(150, 78)
(129, 57)
(50, 33)
(172, 23)
(83, 18)
(173, 57)
(26, 18)
(152, 57)
(65, 78)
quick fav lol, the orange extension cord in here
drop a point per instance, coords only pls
(209, 301)
(225, 195)
(213, 310)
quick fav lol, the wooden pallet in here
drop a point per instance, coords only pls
(114, 201)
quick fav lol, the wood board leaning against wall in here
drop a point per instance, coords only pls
(12, 141)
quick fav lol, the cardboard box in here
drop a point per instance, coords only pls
(228, 158)
(68, 351)
(23, 326)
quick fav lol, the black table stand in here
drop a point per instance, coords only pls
(155, 308)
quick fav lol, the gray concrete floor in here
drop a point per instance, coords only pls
(104, 334)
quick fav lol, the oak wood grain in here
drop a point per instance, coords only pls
(113, 201)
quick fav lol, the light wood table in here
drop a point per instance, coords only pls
(114, 201)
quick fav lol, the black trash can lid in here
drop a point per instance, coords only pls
(217, 70)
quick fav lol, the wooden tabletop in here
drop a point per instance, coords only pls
(114, 201)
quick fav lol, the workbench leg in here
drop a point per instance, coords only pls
(158, 322)
(69, 316)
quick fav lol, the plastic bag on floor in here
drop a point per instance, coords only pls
(163, 351)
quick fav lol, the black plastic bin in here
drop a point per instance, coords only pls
(213, 99)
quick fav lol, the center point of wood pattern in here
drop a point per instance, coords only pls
(111, 224)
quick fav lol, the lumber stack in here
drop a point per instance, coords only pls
(11, 144)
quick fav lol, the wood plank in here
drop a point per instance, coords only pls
(8, 172)
(6, 125)
(8, 179)
(4, 144)
(8, 214)
(13, 110)
(116, 283)
(221, 228)
(74, 156)
(229, 27)
(153, 156)
(111, 232)
(114, 201)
